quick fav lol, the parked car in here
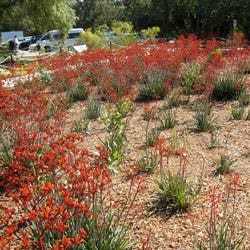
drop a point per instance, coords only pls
(24, 45)
(53, 40)
(110, 35)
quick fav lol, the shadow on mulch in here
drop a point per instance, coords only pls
(165, 210)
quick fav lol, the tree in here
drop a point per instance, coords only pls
(34, 17)
(142, 13)
(201, 16)
(93, 13)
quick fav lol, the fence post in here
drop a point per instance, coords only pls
(11, 59)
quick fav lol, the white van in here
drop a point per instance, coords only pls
(52, 40)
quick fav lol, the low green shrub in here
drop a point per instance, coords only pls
(91, 39)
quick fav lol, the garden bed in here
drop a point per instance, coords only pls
(52, 167)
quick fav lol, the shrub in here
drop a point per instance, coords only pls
(202, 120)
(44, 77)
(150, 32)
(124, 33)
(191, 75)
(122, 27)
(153, 87)
(168, 120)
(224, 165)
(91, 39)
(237, 113)
(93, 110)
(77, 93)
(116, 128)
(227, 88)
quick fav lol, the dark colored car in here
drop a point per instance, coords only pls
(25, 44)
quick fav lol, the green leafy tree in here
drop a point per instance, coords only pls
(142, 13)
(93, 13)
(30, 16)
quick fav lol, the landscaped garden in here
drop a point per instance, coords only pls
(144, 147)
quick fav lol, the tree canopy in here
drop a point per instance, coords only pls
(32, 17)
(172, 16)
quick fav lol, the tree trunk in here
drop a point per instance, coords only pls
(166, 17)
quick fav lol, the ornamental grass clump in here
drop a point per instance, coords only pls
(214, 140)
(203, 122)
(152, 136)
(93, 110)
(168, 121)
(77, 93)
(147, 163)
(237, 112)
(80, 126)
(175, 100)
(176, 193)
(224, 165)
(244, 99)
(153, 86)
(227, 88)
